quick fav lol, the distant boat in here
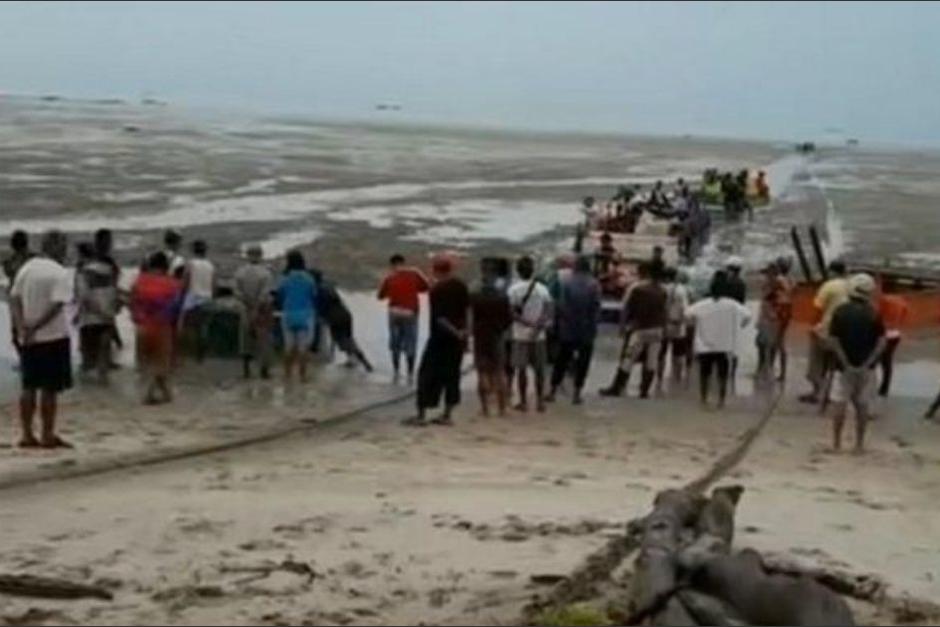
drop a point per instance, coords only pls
(153, 102)
(387, 107)
(852, 142)
(51, 98)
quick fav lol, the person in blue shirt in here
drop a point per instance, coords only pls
(297, 297)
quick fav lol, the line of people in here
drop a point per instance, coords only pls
(171, 296)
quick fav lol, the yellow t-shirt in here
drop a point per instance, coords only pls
(833, 293)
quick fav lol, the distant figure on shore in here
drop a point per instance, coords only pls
(39, 294)
(439, 372)
(198, 290)
(19, 255)
(297, 299)
(334, 312)
(96, 293)
(172, 242)
(155, 302)
(857, 339)
(718, 320)
(254, 284)
(578, 306)
(402, 287)
(830, 295)
(643, 322)
(893, 310)
(532, 315)
(491, 317)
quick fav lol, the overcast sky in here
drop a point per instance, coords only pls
(763, 69)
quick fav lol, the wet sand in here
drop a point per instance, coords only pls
(400, 525)
(448, 525)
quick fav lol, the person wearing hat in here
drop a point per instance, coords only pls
(439, 371)
(857, 336)
(254, 283)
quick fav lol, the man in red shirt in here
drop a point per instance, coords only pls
(401, 287)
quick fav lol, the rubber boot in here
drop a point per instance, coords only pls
(618, 385)
(646, 383)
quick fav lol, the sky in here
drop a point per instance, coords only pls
(763, 70)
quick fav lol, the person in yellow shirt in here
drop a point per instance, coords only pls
(830, 295)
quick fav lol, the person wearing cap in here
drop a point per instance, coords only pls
(857, 338)
(830, 295)
(254, 284)
(439, 371)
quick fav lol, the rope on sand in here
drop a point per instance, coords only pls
(598, 566)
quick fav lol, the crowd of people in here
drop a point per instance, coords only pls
(532, 337)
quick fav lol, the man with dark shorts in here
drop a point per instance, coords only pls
(492, 317)
(439, 372)
(39, 296)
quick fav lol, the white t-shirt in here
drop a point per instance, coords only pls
(537, 308)
(40, 284)
(175, 260)
(201, 276)
(718, 324)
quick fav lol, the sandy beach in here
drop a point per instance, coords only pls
(323, 509)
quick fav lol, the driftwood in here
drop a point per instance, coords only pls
(49, 588)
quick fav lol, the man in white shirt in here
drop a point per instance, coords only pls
(532, 313)
(718, 321)
(39, 295)
(172, 240)
(198, 289)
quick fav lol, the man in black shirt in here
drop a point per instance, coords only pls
(857, 336)
(439, 372)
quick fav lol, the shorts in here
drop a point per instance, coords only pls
(857, 387)
(643, 346)
(489, 355)
(403, 334)
(47, 366)
(297, 338)
(92, 339)
(525, 354)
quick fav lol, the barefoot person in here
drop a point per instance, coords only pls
(39, 294)
(578, 310)
(894, 311)
(334, 312)
(532, 313)
(402, 288)
(155, 301)
(491, 317)
(439, 372)
(857, 337)
(19, 255)
(830, 295)
(96, 293)
(198, 289)
(254, 283)
(718, 320)
(297, 297)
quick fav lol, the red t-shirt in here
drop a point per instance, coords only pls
(155, 300)
(402, 288)
(893, 310)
